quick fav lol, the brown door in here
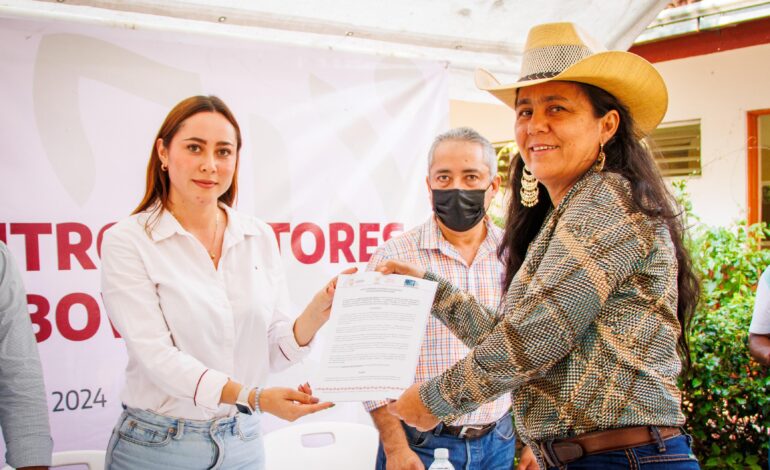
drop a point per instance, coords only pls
(759, 166)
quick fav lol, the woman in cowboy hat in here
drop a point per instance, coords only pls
(599, 287)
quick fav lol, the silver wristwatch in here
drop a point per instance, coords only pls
(242, 402)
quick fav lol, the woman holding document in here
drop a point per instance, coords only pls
(198, 292)
(599, 287)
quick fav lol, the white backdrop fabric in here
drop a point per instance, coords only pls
(334, 157)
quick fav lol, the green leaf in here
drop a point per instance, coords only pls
(696, 382)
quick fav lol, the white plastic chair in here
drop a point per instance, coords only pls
(325, 445)
(93, 459)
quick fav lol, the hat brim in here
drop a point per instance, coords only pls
(626, 76)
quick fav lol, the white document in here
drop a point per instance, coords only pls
(373, 337)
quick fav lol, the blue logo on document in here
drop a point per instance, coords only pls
(410, 283)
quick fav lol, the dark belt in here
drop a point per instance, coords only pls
(469, 431)
(560, 452)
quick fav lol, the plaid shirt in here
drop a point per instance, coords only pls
(426, 246)
(588, 340)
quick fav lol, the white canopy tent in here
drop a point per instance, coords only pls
(61, 110)
(464, 34)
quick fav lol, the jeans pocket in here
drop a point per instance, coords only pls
(146, 434)
(677, 450)
(249, 428)
(667, 458)
(504, 429)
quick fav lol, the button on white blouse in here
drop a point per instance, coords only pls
(189, 326)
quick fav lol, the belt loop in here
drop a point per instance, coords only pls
(179, 429)
(655, 432)
(437, 430)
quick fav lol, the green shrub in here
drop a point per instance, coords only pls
(726, 392)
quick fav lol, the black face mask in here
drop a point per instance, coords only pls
(459, 209)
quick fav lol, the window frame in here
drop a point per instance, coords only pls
(753, 193)
(661, 160)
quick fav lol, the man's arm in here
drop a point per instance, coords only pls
(23, 408)
(759, 330)
(397, 452)
(759, 347)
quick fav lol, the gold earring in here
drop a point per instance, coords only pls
(599, 165)
(163, 167)
(529, 189)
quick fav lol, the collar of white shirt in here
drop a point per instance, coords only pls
(238, 226)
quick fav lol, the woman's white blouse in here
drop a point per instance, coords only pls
(189, 326)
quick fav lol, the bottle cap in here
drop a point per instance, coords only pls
(441, 453)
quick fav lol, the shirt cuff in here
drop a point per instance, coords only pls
(444, 288)
(208, 391)
(289, 347)
(373, 405)
(32, 451)
(430, 394)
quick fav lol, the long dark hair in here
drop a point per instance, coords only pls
(628, 156)
(158, 185)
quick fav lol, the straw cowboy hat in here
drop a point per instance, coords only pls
(562, 51)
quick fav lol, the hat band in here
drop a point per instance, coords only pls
(549, 61)
(538, 76)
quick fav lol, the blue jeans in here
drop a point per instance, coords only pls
(147, 440)
(493, 451)
(676, 456)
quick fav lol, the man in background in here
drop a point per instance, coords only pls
(458, 242)
(759, 331)
(23, 407)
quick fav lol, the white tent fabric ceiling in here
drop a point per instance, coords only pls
(465, 34)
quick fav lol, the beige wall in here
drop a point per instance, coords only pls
(493, 121)
(719, 89)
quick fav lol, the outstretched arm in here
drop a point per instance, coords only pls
(463, 315)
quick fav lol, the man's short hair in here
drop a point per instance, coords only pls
(466, 134)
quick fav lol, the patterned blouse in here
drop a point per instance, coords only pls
(588, 337)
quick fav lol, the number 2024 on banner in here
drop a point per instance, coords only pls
(84, 399)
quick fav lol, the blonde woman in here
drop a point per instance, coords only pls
(199, 295)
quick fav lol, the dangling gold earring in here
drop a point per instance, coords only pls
(529, 189)
(599, 165)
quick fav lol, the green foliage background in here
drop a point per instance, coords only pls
(725, 394)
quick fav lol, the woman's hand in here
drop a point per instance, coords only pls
(410, 409)
(317, 312)
(527, 460)
(393, 266)
(290, 404)
(321, 305)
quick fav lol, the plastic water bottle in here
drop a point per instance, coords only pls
(441, 460)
